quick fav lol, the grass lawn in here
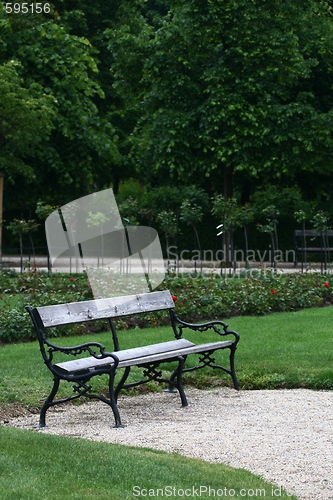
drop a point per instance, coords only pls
(38, 466)
(286, 349)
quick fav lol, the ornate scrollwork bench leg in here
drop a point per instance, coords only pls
(81, 389)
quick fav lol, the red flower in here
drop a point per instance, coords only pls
(174, 298)
(273, 292)
(71, 279)
(327, 284)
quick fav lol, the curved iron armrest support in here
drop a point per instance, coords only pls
(219, 327)
(47, 348)
(91, 348)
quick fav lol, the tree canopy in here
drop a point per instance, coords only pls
(238, 87)
(226, 95)
(26, 114)
(53, 88)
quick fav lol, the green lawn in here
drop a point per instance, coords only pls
(286, 349)
(40, 466)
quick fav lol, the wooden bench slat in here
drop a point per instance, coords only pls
(90, 364)
(127, 357)
(211, 346)
(139, 352)
(314, 249)
(312, 233)
(184, 351)
(89, 310)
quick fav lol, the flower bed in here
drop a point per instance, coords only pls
(198, 297)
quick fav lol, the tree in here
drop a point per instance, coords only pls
(227, 212)
(167, 221)
(321, 225)
(81, 145)
(128, 47)
(233, 88)
(270, 227)
(119, 34)
(191, 213)
(26, 120)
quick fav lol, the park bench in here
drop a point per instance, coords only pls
(312, 242)
(91, 358)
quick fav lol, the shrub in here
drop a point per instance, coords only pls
(199, 298)
(15, 325)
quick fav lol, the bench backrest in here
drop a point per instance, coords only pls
(99, 309)
(89, 310)
(311, 233)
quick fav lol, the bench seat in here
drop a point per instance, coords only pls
(141, 355)
(128, 357)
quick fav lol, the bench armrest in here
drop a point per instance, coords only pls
(48, 349)
(94, 349)
(219, 327)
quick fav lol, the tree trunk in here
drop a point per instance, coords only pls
(228, 192)
(228, 187)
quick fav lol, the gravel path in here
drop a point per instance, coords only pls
(284, 436)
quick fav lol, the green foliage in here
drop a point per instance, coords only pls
(166, 92)
(51, 103)
(199, 298)
(96, 93)
(19, 226)
(219, 97)
(129, 211)
(68, 75)
(300, 216)
(228, 211)
(167, 220)
(212, 297)
(163, 198)
(320, 221)
(286, 200)
(36, 288)
(43, 210)
(15, 325)
(26, 120)
(190, 213)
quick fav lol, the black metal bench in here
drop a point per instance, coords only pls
(91, 359)
(312, 242)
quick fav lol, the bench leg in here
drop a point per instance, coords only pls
(180, 380)
(206, 361)
(177, 375)
(232, 368)
(48, 403)
(171, 387)
(113, 401)
(121, 382)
